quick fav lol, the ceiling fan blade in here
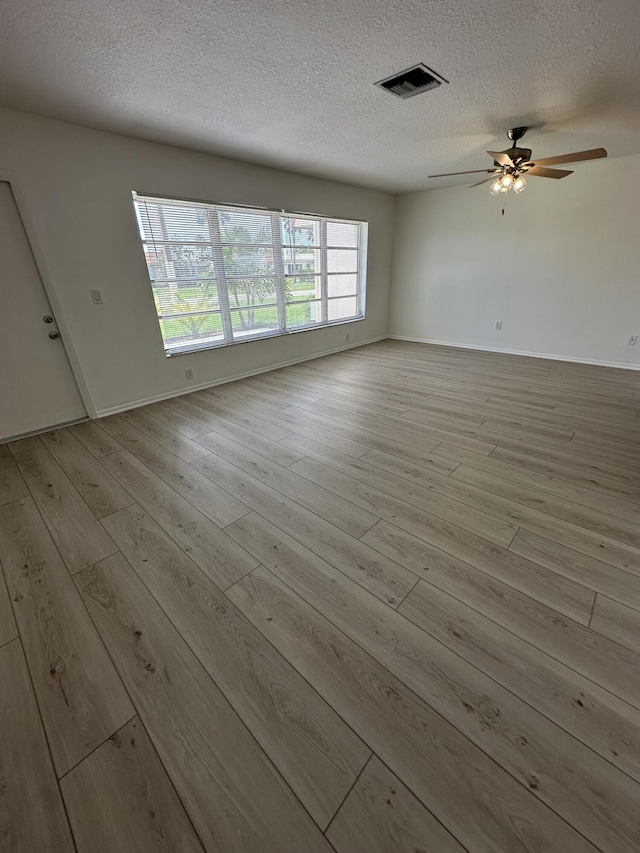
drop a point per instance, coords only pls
(472, 172)
(576, 157)
(483, 181)
(501, 157)
(541, 172)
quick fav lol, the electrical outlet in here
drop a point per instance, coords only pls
(633, 340)
(188, 373)
(498, 325)
(347, 337)
(96, 296)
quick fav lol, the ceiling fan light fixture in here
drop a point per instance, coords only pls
(496, 187)
(519, 184)
(506, 180)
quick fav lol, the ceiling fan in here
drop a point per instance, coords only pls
(511, 166)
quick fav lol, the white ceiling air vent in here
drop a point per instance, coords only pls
(413, 81)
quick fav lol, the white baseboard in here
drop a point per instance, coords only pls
(41, 430)
(619, 364)
(157, 398)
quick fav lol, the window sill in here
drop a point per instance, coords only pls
(208, 345)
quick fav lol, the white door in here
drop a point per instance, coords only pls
(37, 388)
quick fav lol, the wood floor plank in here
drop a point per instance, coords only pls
(598, 460)
(601, 577)
(349, 517)
(389, 486)
(218, 505)
(529, 486)
(551, 424)
(228, 395)
(113, 424)
(8, 627)
(494, 432)
(445, 384)
(411, 431)
(231, 394)
(622, 530)
(455, 455)
(545, 523)
(74, 528)
(440, 544)
(592, 795)
(593, 418)
(96, 486)
(309, 425)
(97, 441)
(184, 448)
(272, 450)
(208, 546)
(255, 441)
(615, 440)
(572, 453)
(388, 462)
(617, 483)
(376, 402)
(302, 426)
(209, 403)
(596, 717)
(482, 410)
(177, 420)
(528, 507)
(366, 426)
(597, 658)
(382, 815)
(234, 797)
(32, 815)
(505, 420)
(315, 751)
(12, 486)
(279, 380)
(381, 576)
(467, 792)
(617, 622)
(613, 413)
(81, 698)
(413, 512)
(120, 799)
(415, 403)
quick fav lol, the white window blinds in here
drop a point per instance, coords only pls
(223, 275)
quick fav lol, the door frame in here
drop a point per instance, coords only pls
(9, 176)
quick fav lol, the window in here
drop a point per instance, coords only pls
(223, 275)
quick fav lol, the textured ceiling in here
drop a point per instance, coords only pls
(290, 84)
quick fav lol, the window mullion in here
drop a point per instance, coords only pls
(323, 272)
(221, 275)
(278, 265)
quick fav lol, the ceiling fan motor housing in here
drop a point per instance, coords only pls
(518, 155)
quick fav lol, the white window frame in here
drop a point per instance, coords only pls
(278, 246)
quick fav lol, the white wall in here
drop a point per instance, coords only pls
(76, 184)
(561, 269)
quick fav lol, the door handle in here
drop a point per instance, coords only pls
(54, 335)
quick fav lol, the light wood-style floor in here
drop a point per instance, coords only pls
(386, 600)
